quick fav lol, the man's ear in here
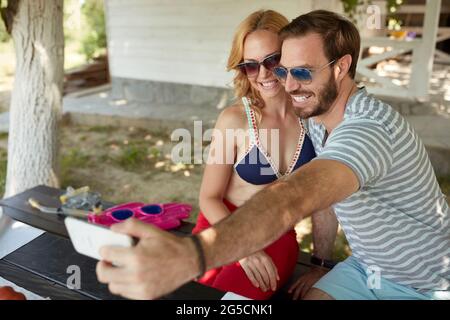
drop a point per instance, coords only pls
(343, 66)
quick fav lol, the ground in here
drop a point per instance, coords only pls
(129, 164)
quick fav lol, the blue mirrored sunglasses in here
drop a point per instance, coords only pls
(303, 75)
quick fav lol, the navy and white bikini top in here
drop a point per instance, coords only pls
(256, 166)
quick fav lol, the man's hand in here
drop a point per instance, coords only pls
(261, 270)
(150, 269)
(305, 282)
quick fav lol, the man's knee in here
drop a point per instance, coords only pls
(317, 294)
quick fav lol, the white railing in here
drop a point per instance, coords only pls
(423, 51)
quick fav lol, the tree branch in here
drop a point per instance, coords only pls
(8, 13)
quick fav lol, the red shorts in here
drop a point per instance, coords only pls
(284, 253)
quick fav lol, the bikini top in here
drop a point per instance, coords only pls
(256, 166)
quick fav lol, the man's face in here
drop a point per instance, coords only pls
(316, 98)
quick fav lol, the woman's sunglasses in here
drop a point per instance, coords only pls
(302, 75)
(251, 68)
(164, 215)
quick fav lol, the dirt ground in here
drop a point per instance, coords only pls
(126, 164)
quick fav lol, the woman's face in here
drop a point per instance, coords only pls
(257, 46)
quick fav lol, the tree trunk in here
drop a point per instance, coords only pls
(37, 32)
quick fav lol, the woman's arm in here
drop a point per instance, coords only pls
(259, 267)
(219, 167)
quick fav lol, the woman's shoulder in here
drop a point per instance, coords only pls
(233, 117)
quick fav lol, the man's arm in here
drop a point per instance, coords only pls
(324, 230)
(161, 262)
(276, 209)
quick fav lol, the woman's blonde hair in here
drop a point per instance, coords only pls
(260, 20)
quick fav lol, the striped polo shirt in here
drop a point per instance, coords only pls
(398, 221)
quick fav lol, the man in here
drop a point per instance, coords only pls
(370, 166)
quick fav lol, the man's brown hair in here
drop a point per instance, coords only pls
(339, 35)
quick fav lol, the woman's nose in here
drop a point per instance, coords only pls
(263, 72)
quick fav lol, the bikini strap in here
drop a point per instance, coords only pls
(251, 121)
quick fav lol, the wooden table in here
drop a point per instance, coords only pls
(41, 266)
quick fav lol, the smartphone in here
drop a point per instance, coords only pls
(88, 238)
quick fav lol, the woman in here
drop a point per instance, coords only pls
(239, 167)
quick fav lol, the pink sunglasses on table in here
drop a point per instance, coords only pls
(165, 216)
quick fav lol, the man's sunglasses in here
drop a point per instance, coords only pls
(302, 75)
(251, 68)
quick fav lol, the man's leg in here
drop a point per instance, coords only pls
(346, 281)
(317, 294)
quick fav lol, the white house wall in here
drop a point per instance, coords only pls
(181, 41)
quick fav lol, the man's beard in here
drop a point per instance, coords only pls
(326, 96)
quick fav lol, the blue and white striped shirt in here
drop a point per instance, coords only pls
(399, 220)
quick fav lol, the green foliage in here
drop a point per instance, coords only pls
(444, 182)
(74, 158)
(68, 36)
(392, 6)
(4, 36)
(132, 156)
(155, 153)
(341, 247)
(102, 129)
(94, 39)
(350, 7)
(70, 160)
